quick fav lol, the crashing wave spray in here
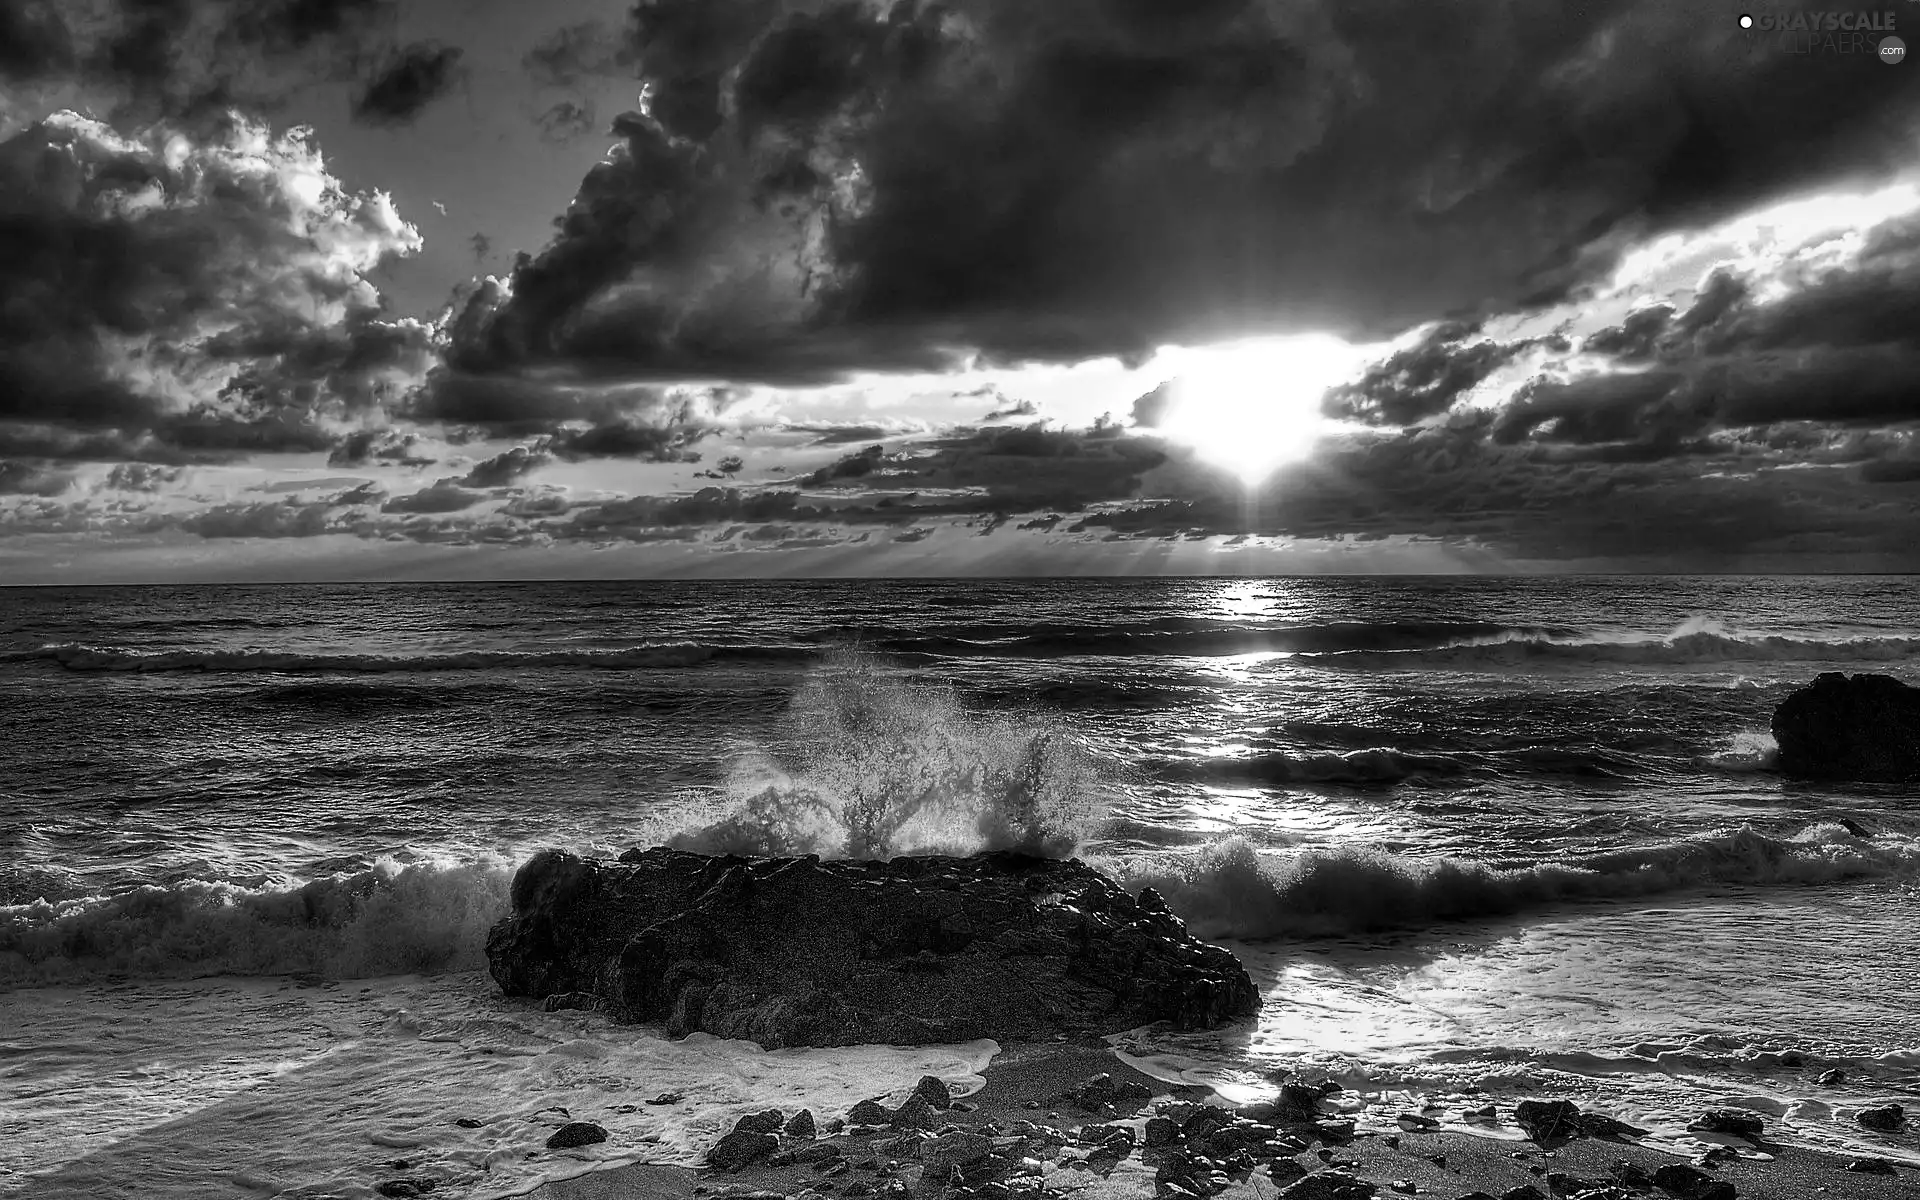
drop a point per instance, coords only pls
(883, 768)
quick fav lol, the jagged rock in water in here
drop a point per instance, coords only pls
(800, 952)
(1864, 727)
(574, 1134)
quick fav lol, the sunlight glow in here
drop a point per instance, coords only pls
(1253, 406)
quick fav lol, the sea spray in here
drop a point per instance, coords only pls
(881, 767)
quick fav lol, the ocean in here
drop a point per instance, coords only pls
(1477, 839)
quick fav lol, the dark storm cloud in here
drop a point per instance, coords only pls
(412, 78)
(200, 294)
(1423, 380)
(503, 469)
(364, 446)
(445, 496)
(188, 59)
(28, 479)
(819, 188)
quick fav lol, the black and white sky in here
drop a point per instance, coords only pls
(373, 289)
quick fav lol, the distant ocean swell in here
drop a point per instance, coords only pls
(1403, 646)
(1705, 646)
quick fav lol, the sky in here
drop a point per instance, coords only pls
(466, 289)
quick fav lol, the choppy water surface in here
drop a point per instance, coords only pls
(1471, 833)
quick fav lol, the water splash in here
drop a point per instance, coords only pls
(883, 767)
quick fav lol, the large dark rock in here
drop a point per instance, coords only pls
(800, 952)
(1864, 727)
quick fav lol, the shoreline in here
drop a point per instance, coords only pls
(1026, 1082)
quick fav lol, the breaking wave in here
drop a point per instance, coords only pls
(1697, 641)
(1231, 890)
(386, 920)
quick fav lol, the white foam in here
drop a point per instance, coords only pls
(1611, 1006)
(250, 1087)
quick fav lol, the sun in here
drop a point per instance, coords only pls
(1253, 406)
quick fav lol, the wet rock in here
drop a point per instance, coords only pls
(800, 952)
(1404, 1186)
(1885, 1119)
(869, 1112)
(1547, 1121)
(1339, 1132)
(468, 1123)
(760, 1122)
(800, 1125)
(740, 1148)
(1600, 1125)
(576, 1133)
(958, 1149)
(811, 1152)
(1414, 1122)
(916, 1113)
(1327, 1185)
(934, 1091)
(857, 1188)
(1677, 1179)
(1870, 1166)
(1160, 1131)
(1285, 1170)
(1476, 1196)
(398, 1188)
(1864, 727)
(1737, 1121)
(1631, 1174)
(668, 1098)
(1525, 1191)
(1833, 1078)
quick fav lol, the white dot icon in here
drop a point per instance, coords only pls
(1746, 22)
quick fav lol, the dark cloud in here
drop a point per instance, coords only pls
(503, 469)
(210, 295)
(141, 477)
(188, 59)
(815, 189)
(1423, 380)
(444, 496)
(413, 77)
(280, 519)
(27, 479)
(1025, 408)
(364, 446)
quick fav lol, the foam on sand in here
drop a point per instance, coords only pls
(255, 1087)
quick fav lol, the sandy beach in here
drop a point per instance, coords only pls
(1029, 1082)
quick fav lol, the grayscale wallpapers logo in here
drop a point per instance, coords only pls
(1834, 31)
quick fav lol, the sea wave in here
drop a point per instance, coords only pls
(1380, 766)
(1230, 889)
(389, 919)
(1697, 641)
(79, 657)
(1193, 638)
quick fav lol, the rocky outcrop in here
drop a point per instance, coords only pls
(800, 952)
(1861, 727)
